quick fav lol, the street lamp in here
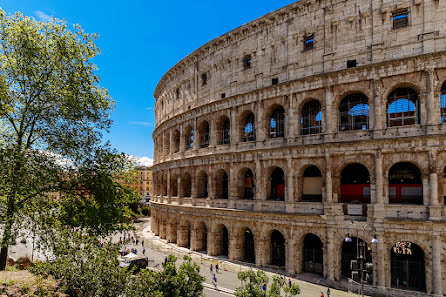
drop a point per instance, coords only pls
(360, 251)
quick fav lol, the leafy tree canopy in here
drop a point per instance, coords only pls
(255, 284)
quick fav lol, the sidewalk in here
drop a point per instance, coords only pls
(227, 276)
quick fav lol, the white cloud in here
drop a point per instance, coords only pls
(150, 108)
(144, 161)
(139, 123)
(43, 16)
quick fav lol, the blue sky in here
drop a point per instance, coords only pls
(140, 40)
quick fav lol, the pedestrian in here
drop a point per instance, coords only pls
(214, 281)
(143, 251)
(264, 287)
(210, 268)
(216, 267)
(137, 241)
(165, 260)
(289, 282)
(328, 292)
(322, 294)
(142, 243)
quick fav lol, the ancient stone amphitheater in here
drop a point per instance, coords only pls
(309, 135)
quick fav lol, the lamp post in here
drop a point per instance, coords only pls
(360, 250)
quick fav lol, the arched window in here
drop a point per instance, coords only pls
(176, 141)
(402, 108)
(167, 144)
(408, 270)
(277, 191)
(312, 185)
(224, 130)
(277, 123)
(204, 134)
(354, 113)
(249, 131)
(173, 185)
(187, 185)
(443, 102)
(311, 118)
(249, 250)
(277, 249)
(202, 237)
(355, 184)
(202, 184)
(189, 138)
(313, 259)
(405, 185)
(222, 184)
(248, 185)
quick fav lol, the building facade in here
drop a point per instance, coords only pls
(312, 130)
(142, 182)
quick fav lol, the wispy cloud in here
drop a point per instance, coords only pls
(43, 16)
(150, 108)
(140, 123)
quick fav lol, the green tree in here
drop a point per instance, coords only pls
(253, 283)
(52, 116)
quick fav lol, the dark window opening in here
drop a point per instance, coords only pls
(309, 42)
(351, 63)
(400, 19)
(408, 270)
(204, 134)
(354, 113)
(277, 123)
(313, 258)
(202, 184)
(277, 185)
(204, 79)
(222, 185)
(176, 141)
(223, 95)
(311, 118)
(275, 81)
(190, 139)
(402, 108)
(247, 62)
(224, 131)
(405, 184)
(312, 185)
(443, 102)
(277, 249)
(249, 251)
(249, 133)
(225, 242)
(177, 93)
(248, 185)
(355, 184)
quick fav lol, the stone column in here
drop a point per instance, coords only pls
(329, 127)
(262, 249)
(426, 192)
(379, 121)
(290, 256)
(194, 244)
(381, 271)
(182, 138)
(193, 177)
(172, 232)
(235, 131)
(261, 126)
(172, 144)
(330, 259)
(290, 180)
(328, 179)
(213, 136)
(162, 230)
(436, 265)
(432, 117)
(233, 187)
(290, 131)
(169, 190)
(212, 243)
(196, 135)
(236, 249)
(379, 178)
(433, 189)
(180, 188)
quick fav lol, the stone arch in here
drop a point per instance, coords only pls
(248, 245)
(276, 121)
(355, 184)
(204, 134)
(221, 184)
(246, 183)
(173, 184)
(405, 183)
(189, 137)
(276, 183)
(311, 117)
(221, 240)
(172, 229)
(353, 112)
(186, 185)
(176, 141)
(312, 181)
(248, 126)
(223, 126)
(277, 248)
(201, 237)
(164, 184)
(201, 184)
(313, 254)
(167, 143)
(403, 107)
(184, 233)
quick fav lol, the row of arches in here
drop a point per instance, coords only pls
(402, 109)
(407, 260)
(404, 184)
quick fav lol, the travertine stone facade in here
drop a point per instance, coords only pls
(321, 118)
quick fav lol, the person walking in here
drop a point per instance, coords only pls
(289, 282)
(322, 294)
(211, 269)
(142, 243)
(216, 267)
(214, 281)
(328, 292)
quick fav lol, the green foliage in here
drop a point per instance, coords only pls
(53, 165)
(252, 285)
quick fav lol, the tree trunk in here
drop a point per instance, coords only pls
(6, 235)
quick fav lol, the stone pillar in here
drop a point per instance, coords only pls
(196, 135)
(182, 139)
(433, 189)
(236, 248)
(329, 127)
(292, 119)
(290, 256)
(261, 248)
(194, 188)
(432, 117)
(261, 127)
(172, 232)
(436, 266)
(213, 247)
(172, 141)
(328, 179)
(235, 131)
(153, 220)
(329, 261)
(213, 133)
(426, 192)
(379, 121)
(381, 271)
(194, 244)
(169, 190)
(379, 178)
(162, 230)
(259, 182)
(290, 180)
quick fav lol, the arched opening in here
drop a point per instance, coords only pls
(204, 134)
(249, 255)
(173, 185)
(222, 185)
(402, 108)
(407, 266)
(277, 123)
(311, 118)
(164, 184)
(355, 184)
(187, 185)
(176, 141)
(312, 185)
(225, 242)
(202, 238)
(189, 138)
(202, 184)
(405, 185)
(277, 249)
(185, 235)
(443, 102)
(313, 254)
(352, 252)
(249, 131)
(224, 130)
(277, 191)
(247, 184)
(354, 113)
(167, 144)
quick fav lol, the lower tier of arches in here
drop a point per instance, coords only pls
(405, 255)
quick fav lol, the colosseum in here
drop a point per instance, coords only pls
(308, 135)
